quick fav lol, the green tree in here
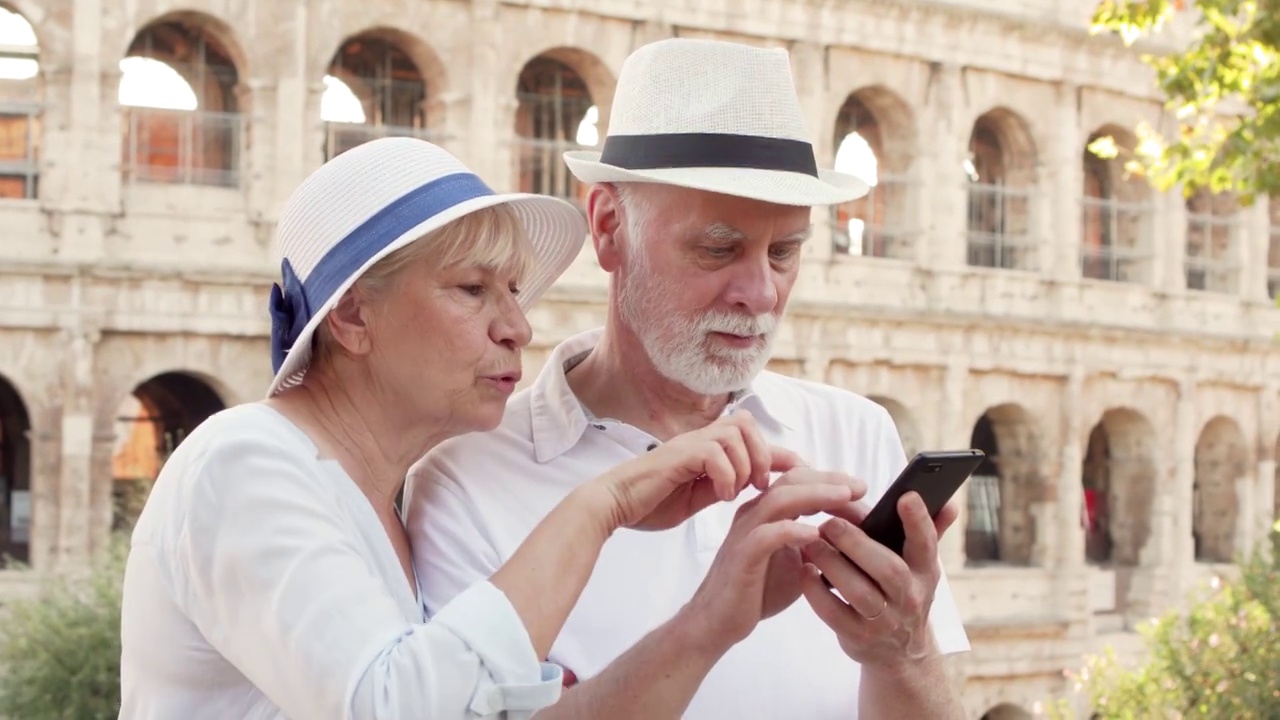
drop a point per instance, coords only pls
(1223, 88)
(1218, 659)
(60, 650)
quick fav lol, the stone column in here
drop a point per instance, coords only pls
(298, 145)
(939, 174)
(75, 506)
(1063, 184)
(493, 103)
(1255, 246)
(1169, 250)
(1069, 553)
(46, 475)
(952, 433)
(1181, 472)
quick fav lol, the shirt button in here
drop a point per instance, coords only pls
(599, 427)
(652, 445)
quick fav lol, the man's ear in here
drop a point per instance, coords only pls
(348, 323)
(604, 217)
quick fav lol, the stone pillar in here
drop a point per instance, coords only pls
(952, 433)
(1177, 492)
(1069, 553)
(90, 133)
(1255, 246)
(1063, 184)
(46, 475)
(255, 98)
(808, 68)
(939, 175)
(493, 103)
(1169, 250)
(75, 502)
(298, 145)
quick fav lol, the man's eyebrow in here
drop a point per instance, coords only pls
(723, 231)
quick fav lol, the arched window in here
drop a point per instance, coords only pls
(555, 114)
(19, 107)
(373, 89)
(1000, 168)
(1213, 232)
(182, 123)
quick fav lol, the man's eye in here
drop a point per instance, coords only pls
(719, 251)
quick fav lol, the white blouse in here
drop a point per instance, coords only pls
(261, 584)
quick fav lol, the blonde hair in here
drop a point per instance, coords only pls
(491, 238)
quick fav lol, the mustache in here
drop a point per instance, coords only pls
(738, 324)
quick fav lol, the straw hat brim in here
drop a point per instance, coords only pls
(774, 186)
(556, 229)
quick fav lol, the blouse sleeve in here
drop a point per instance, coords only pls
(266, 567)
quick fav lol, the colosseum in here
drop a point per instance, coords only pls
(1109, 346)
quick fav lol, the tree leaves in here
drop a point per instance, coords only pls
(1223, 90)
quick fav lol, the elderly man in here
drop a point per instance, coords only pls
(698, 209)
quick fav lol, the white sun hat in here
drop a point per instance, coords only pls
(717, 116)
(372, 200)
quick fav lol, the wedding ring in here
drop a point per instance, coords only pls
(878, 614)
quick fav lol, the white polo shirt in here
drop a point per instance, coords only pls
(474, 499)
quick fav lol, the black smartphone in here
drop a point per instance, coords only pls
(935, 476)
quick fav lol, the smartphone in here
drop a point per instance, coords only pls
(935, 476)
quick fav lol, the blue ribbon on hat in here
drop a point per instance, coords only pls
(293, 301)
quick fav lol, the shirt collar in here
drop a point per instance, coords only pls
(558, 420)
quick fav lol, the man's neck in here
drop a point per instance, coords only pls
(618, 381)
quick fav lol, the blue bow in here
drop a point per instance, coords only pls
(290, 312)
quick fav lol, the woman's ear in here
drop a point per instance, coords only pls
(348, 323)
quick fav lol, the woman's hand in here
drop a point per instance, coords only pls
(675, 480)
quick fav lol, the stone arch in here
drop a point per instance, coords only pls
(1119, 477)
(398, 80)
(908, 428)
(1006, 711)
(1221, 460)
(195, 143)
(15, 474)
(559, 94)
(1002, 172)
(1005, 490)
(150, 423)
(875, 127)
(21, 89)
(1117, 212)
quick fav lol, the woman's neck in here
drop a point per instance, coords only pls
(353, 427)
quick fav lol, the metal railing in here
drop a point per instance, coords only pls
(340, 137)
(999, 227)
(185, 147)
(19, 151)
(540, 168)
(1122, 231)
(1209, 264)
(883, 214)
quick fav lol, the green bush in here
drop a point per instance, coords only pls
(60, 650)
(1218, 659)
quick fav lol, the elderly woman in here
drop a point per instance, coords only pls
(270, 575)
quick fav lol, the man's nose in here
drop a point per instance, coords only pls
(754, 287)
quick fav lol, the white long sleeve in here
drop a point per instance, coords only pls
(282, 568)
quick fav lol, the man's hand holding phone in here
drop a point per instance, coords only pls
(884, 617)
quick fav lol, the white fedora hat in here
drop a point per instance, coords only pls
(372, 200)
(717, 116)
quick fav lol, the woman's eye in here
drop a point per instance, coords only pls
(473, 289)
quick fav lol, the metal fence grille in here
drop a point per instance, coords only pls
(999, 229)
(19, 150)
(182, 147)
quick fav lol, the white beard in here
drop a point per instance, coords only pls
(680, 347)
